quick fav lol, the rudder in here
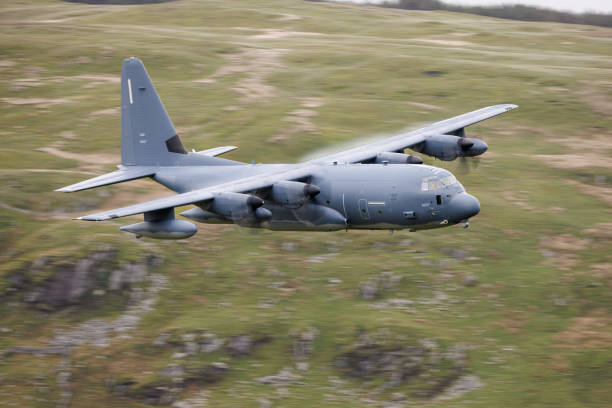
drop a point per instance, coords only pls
(148, 137)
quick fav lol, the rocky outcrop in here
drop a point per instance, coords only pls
(428, 367)
(51, 283)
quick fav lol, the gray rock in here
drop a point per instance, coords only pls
(289, 246)
(209, 343)
(191, 348)
(199, 400)
(172, 371)
(283, 377)
(461, 386)
(387, 280)
(368, 290)
(470, 280)
(161, 339)
(240, 346)
(302, 344)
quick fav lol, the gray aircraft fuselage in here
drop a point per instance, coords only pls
(372, 186)
(372, 196)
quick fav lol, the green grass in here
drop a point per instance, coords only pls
(368, 68)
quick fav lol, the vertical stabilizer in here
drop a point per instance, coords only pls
(148, 137)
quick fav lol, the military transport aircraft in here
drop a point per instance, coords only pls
(374, 186)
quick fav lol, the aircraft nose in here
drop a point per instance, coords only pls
(464, 206)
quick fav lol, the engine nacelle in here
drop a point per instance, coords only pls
(292, 192)
(449, 147)
(239, 207)
(397, 158)
(203, 216)
(162, 229)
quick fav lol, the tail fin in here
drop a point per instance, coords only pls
(148, 137)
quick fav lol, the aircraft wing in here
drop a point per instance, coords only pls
(305, 169)
(406, 140)
(119, 176)
(247, 184)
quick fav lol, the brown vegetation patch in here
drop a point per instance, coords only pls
(591, 331)
(275, 33)
(513, 322)
(602, 270)
(512, 198)
(424, 105)
(600, 192)
(450, 43)
(595, 143)
(575, 161)
(93, 159)
(597, 98)
(35, 80)
(257, 63)
(38, 102)
(300, 119)
(601, 231)
(559, 251)
(106, 112)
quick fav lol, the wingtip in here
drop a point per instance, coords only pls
(87, 218)
(63, 190)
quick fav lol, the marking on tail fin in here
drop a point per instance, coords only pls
(130, 90)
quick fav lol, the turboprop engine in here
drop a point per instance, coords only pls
(449, 147)
(292, 192)
(397, 158)
(238, 207)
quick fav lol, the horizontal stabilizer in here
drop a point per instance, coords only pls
(217, 151)
(119, 176)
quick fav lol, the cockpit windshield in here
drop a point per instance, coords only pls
(435, 183)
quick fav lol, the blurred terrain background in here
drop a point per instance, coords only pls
(514, 311)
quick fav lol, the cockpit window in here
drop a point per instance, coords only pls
(430, 183)
(433, 183)
(448, 180)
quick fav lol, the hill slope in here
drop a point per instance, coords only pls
(515, 310)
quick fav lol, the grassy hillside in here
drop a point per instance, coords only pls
(514, 310)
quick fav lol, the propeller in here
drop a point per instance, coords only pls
(464, 144)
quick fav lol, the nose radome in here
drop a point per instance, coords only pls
(465, 206)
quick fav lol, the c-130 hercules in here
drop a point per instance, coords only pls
(374, 186)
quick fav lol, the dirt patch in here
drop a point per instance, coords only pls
(95, 159)
(289, 17)
(34, 80)
(38, 102)
(106, 112)
(565, 242)
(602, 270)
(256, 63)
(6, 63)
(512, 323)
(595, 143)
(587, 332)
(599, 99)
(600, 192)
(575, 161)
(560, 251)
(424, 105)
(274, 33)
(300, 120)
(513, 198)
(601, 231)
(450, 43)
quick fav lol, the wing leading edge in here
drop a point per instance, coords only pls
(305, 169)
